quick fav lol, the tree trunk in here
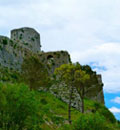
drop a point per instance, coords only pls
(82, 105)
(69, 107)
(82, 100)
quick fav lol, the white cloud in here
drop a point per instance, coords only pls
(106, 55)
(88, 29)
(114, 110)
(116, 100)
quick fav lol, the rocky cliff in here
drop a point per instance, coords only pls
(25, 41)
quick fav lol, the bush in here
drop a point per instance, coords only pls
(19, 108)
(34, 73)
(5, 42)
(107, 114)
(43, 101)
(57, 120)
(90, 122)
(65, 127)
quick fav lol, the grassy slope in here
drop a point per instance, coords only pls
(55, 112)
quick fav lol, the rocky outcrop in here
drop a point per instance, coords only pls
(94, 92)
(62, 92)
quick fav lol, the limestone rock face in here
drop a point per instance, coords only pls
(95, 92)
(62, 92)
(28, 37)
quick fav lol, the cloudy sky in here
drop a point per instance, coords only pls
(88, 29)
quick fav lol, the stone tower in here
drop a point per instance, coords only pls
(28, 38)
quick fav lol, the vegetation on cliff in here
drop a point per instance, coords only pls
(21, 108)
(73, 77)
(34, 73)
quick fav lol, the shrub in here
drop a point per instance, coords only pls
(0, 47)
(14, 46)
(34, 73)
(32, 39)
(90, 122)
(107, 114)
(5, 42)
(20, 36)
(43, 101)
(11, 43)
(9, 75)
(57, 120)
(22, 31)
(19, 108)
(65, 127)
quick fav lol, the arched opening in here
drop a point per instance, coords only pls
(49, 57)
(50, 60)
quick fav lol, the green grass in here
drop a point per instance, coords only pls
(55, 112)
(9, 75)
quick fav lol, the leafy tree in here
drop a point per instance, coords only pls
(19, 108)
(34, 73)
(80, 81)
(74, 77)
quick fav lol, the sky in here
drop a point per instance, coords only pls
(88, 29)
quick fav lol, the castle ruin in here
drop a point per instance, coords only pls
(27, 40)
(28, 37)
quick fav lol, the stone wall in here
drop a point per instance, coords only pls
(54, 59)
(24, 41)
(10, 53)
(28, 37)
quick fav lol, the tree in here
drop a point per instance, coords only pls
(19, 108)
(80, 82)
(74, 77)
(34, 73)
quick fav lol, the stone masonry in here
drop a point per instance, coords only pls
(28, 37)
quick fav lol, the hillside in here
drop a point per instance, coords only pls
(56, 113)
(47, 112)
(34, 97)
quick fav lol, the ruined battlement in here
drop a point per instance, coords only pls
(27, 37)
